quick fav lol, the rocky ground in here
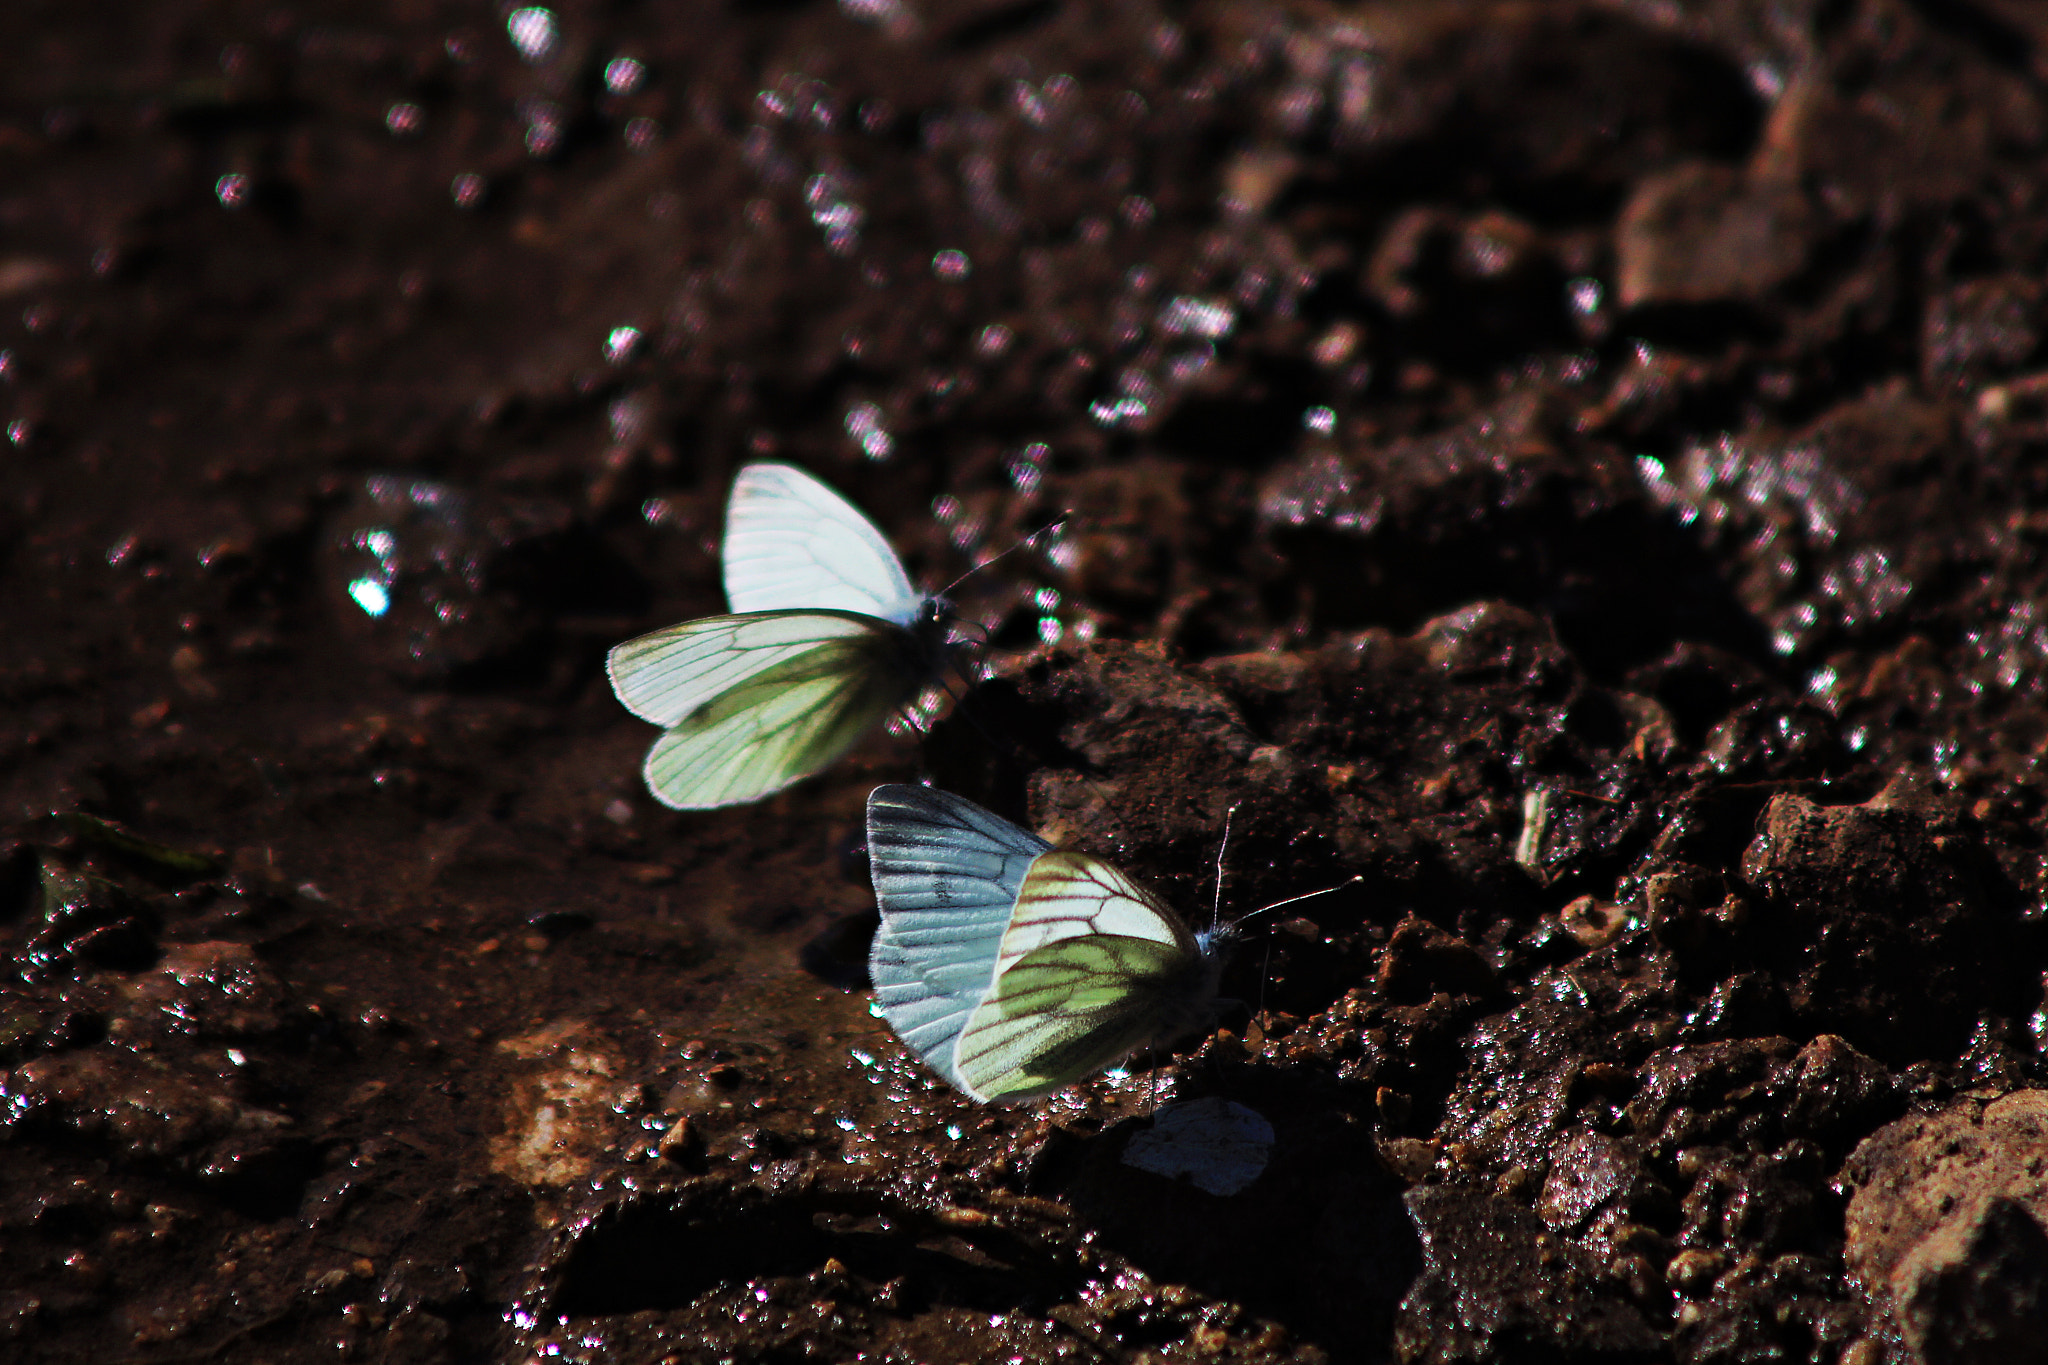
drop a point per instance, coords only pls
(1579, 468)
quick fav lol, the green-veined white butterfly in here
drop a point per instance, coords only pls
(827, 639)
(1013, 968)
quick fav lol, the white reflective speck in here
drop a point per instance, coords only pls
(232, 190)
(1322, 421)
(1186, 315)
(623, 75)
(621, 344)
(951, 265)
(1027, 467)
(372, 596)
(864, 425)
(534, 32)
(888, 13)
(995, 339)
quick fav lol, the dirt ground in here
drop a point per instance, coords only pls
(1580, 468)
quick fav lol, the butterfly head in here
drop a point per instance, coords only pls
(931, 625)
(1212, 946)
(1215, 941)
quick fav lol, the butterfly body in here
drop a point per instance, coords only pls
(826, 639)
(1013, 968)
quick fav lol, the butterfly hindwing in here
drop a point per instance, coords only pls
(947, 874)
(1068, 1009)
(1091, 967)
(755, 702)
(792, 543)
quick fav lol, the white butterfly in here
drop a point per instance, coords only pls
(1013, 968)
(826, 640)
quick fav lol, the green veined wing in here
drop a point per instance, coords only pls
(755, 702)
(1091, 968)
(1014, 969)
(1068, 1009)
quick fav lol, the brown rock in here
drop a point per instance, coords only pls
(1594, 923)
(1945, 1232)
(1420, 959)
(1708, 233)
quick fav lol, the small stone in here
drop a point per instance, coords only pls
(1702, 233)
(1421, 958)
(1594, 923)
(1694, 1269)
(683, 1143)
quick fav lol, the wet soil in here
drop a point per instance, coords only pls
(1580, 469)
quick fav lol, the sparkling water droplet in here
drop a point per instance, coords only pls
(373, 597)
(621, 344)
(994, 341)
(864, 425)
(952, 265)
(232, 190)
(623, 75)
(468, 190)
(534, 32)
(403, 120)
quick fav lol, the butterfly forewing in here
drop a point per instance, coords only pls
(1070, 893)
(791, 543)
(946, 876)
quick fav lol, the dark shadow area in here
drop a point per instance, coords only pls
(1319, 1241)
(662, 1252)
(1622, 586)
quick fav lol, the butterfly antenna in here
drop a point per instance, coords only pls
(1216, 910)
(1026, 543)
(1304, 896)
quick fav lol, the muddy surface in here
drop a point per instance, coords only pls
(1580, 469)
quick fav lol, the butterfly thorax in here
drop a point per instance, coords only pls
(930, 632)
(1188, 1002)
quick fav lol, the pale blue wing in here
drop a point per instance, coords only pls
(754, 703)
(793, 544)
(946, 878)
